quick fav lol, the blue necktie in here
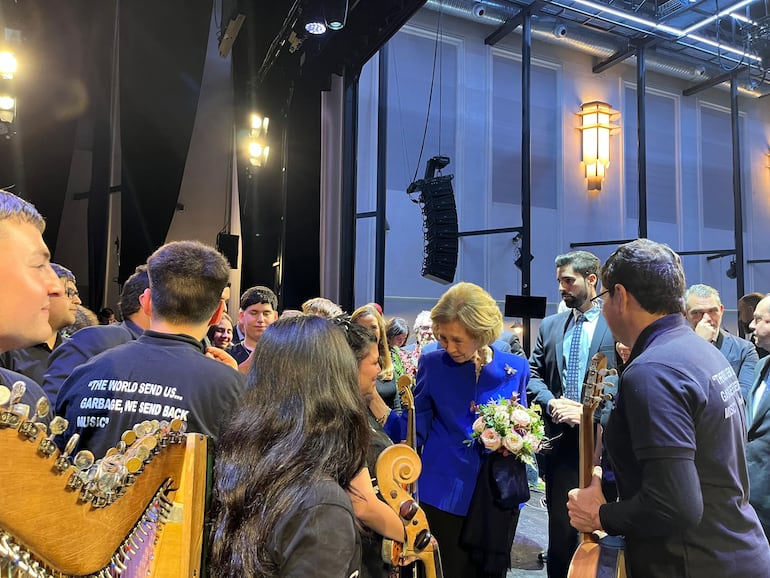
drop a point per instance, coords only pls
(572, 387)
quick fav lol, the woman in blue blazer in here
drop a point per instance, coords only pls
(449, 381)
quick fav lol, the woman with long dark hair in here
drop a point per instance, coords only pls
(378, 518)
(286, 457)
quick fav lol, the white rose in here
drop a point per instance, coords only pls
(513, 442)
(479, 424)
(533, 441)
(520, 417)
(501, 414)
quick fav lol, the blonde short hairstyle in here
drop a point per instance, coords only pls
(471, 306)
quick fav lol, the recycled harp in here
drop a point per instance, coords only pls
(136, 512)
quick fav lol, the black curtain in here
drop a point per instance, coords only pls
(162, 52)
(301, 253)
(100, 57)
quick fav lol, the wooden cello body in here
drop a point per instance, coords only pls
(596, 556)
(398, 468)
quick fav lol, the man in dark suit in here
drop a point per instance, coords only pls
(704, 309)
(558, 364)
(758, 421)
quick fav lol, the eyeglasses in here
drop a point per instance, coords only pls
(72, 293)
(600, 295)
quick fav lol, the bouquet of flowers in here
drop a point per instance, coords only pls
(506, 426)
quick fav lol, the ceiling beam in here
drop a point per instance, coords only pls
(513, 23)
(622, 55)
(701, 86)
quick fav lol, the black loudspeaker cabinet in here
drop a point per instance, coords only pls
(440, 228)
(228, 245)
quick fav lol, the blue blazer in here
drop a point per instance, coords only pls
(743, 358)
(444, 420)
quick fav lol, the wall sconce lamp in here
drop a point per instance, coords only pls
(258, 146)
(596, 126)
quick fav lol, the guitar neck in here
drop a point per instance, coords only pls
(587, 443)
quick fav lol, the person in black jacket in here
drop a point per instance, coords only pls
(299, 438)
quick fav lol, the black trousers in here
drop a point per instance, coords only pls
(561, 477)
(455, 559)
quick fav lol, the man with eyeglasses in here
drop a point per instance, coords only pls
(676, 437)
(565, 344)
(33, 361)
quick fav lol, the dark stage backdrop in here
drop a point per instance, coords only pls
(162, 51)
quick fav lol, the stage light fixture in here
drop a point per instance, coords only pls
(336, 12)
(257, 144)
(8, 65)
(313, 15)
(7, 108)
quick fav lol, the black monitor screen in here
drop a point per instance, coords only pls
(525, 306)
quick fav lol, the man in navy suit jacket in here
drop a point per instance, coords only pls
(704, 309)
(758, 421)
(577, 274)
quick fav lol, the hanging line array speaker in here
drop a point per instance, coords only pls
(439, 212)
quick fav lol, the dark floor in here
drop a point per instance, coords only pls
(531, 539)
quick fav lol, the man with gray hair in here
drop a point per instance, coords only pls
(704, 310)
(165, 373)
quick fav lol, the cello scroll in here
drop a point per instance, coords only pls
(399, 466)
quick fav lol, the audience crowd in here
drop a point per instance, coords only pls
(300, 404)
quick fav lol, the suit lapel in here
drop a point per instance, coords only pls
(599, 334)
(559, 350)
(727, 344)
(764, 404)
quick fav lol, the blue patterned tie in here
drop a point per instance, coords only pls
(572, 387)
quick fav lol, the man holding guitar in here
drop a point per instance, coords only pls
(675, 438)
(565, 344)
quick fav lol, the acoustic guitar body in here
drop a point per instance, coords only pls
(595, 557)
(585, 561)
(598, 560)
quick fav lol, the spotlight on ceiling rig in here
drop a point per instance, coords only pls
(336, 12)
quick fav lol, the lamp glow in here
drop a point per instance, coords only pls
(7, 65)
(256, 146)
(596, 127)
(317, 28)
